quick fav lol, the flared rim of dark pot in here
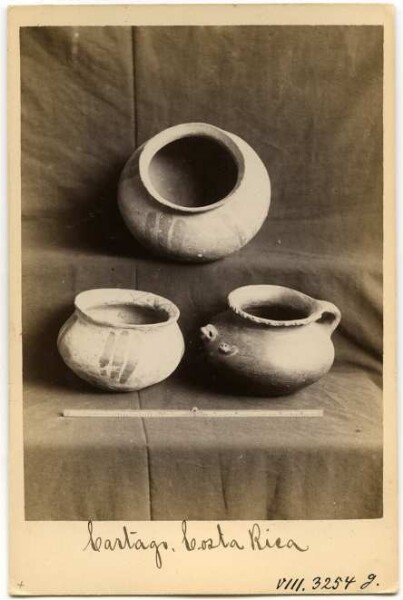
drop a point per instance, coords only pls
(106, 297)
(183, 130)
(250, 297)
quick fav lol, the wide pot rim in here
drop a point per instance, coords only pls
(180, 131)
(117, 296)
(256, 295)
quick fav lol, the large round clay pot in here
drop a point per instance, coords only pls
(194, 192)
(272, 340)
(122, 340)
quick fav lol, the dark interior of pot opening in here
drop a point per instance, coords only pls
(128, 314)
(193, 171)
(278, 312)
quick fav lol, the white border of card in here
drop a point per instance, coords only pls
(47, 557)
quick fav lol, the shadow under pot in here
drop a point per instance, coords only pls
(122, 340)
(194, 192)
(271, 341)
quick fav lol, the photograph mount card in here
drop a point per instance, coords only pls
(202, 339)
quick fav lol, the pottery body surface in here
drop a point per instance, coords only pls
(194, 192)
(122, 340)
(272, 340)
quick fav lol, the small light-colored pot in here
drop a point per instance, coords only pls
(122, 340)
(194, 192)
(272, 340)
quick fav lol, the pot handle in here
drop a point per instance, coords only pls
(330, 315)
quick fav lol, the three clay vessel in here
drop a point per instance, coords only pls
(122, 340)
(271, 341)
(194, 192)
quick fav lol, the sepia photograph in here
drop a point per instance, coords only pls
(202, 229)
(202, 285)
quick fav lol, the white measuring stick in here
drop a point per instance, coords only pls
(194, 412)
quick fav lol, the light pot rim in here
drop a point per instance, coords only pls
(181, 131)
(258, 294)
(117, 296)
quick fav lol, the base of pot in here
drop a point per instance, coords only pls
(237, 385)
(107, 386)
